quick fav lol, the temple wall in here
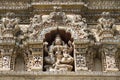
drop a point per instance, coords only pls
(59, 76)
(60, 40)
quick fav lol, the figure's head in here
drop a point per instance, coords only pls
(58, 40)
(65, 55)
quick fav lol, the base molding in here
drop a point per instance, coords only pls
(81, 75)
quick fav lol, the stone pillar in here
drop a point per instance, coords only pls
(80, 56)
(6, 62)
(36, 60)
(6, 59)
(109, 61)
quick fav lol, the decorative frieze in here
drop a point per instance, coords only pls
(58, 42)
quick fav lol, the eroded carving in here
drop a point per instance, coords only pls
(37, 61)
(57, 17)
(110, 60)
(106, 27)
(6, 62)
(59, 58)
(9, 22)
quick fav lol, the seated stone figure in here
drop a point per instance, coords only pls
(64, 62)
(59, 56)
(57, 44)
(67, 58)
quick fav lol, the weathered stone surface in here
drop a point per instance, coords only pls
(59, 40)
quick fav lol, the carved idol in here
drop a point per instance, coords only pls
(59, 56)
(106, 22)
(36, 20)
(35, 25)
(57, 44)
(9, 22)
(34, 33)
(64, 62)
(79, 21)
(79, 28)
(57, 16)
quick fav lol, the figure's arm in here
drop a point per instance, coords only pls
(45, 44)
(71, 46)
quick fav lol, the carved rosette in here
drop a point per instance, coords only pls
(37, 63)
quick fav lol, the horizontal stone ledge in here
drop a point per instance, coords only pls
(72, 74)
(60, 3)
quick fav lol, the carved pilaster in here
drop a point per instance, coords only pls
(6, 59)
(35, 62)
(80, 56)
(109, 60)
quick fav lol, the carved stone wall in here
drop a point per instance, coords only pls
(66, 44)
(39, 40)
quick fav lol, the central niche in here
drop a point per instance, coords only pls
(19, 63)
(58, 51)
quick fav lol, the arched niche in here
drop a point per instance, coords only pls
(97, 62)
(19, 64)
(65, 38)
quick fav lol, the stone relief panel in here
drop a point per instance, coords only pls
(81, 62)
(9, 24)
(109, 52)
(59, 55)
(106, 28)
(67, 46)
(37, 61)
(6, 62)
